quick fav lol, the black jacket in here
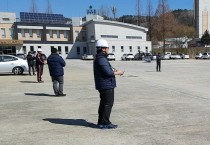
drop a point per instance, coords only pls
(30, 59)
(103, 73)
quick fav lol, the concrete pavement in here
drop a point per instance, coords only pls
(171, 107)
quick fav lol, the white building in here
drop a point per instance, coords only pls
(122, 37)
(202, 16)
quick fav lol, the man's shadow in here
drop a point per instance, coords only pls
(75, 122)
(40, 94)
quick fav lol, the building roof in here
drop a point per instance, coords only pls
(115, 23)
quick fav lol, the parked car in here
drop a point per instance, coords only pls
(206, 55)
(87, 57)
(130, 56)
(12, 64)
(139, 56)
(183, 56)
(175, 56)
(111, 56)
(123, 57)
(198, 56)
(21, 55)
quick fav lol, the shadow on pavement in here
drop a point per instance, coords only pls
(28, 81)
(40, 94)
(75, 122)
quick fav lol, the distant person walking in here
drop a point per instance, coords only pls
(30, 59)
(56, 64)
(158, 64)
(105, 82)
(39, 65)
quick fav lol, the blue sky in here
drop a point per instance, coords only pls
(75, 8)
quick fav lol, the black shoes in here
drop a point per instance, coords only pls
(110, 126)
(60, 95)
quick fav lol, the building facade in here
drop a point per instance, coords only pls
(202, 16)
(122, 38)
(8, 44)
(73, 40)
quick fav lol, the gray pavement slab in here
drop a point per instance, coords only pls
(151, 108)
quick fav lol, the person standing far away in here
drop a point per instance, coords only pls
(105, 82)
(30, 60)
(39, 65)
(158, 60)
(56, 65)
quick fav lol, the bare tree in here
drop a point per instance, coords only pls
(162, 10)
(150, 14)
(139, 11)
(114, 11)
(104, 12)
(33, 8)
(49, 8)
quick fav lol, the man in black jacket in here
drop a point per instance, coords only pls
(105, 82)
(56, 64)
(30, 60)
(158, 60)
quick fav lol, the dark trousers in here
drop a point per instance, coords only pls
(39, 72)
(158, 67)
(31, 67)
(105, 107)
(57, 84)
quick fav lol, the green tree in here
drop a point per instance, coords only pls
(205, 39)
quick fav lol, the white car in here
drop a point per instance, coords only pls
(129, 57)
(206, 55)
(111, 56)
(12, 64)
(87, 57)
(198, 56)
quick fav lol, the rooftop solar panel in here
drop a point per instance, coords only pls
(41, 18)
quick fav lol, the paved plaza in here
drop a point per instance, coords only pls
(171, 107)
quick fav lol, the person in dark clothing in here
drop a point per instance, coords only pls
(158, 60)
(30, 60)
(105, 82)
(39, 65)
(56, 64)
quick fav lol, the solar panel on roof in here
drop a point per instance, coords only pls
(41, 17)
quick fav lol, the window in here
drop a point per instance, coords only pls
(38, 33)
(24, 49)
(32, 48)
(146, 49)
(11, 32)
(122, 49)
(138, 48)
(39, 47)
(84, 50)
(51, 48)
(133, 37)
(130, 48)
(58, 34)
(78, 50)
(51, 33)
(64, 34)
(31, 33)
(113, 48)
(7, 58)
(109, 36)
(59, 49)
(23, 33)
(66, 49)
(3, 33)
(5, 19)
(83, 35)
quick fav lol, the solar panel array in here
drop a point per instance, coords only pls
(41, 18)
